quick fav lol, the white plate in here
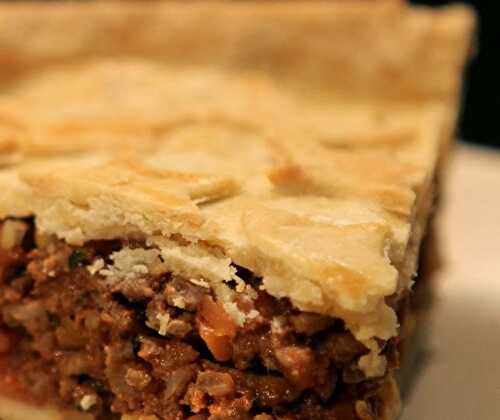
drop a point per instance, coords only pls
(457, 374)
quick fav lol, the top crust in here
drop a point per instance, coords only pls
(211, 165)
(397, 52)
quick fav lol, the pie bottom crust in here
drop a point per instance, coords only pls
(11, 409)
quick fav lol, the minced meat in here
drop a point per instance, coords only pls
(165, 347)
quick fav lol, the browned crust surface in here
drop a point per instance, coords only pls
(398, 52)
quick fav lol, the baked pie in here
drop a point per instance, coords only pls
(214, 210)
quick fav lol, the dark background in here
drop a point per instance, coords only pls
(480, 120)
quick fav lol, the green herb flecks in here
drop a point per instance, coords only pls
(77, 258)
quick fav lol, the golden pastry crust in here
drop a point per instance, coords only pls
(126, 106)
(390, 56)
(373, 66)
(218, 156)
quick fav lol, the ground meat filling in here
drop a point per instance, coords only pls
(164, 346)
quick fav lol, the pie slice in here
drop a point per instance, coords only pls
(214, 210)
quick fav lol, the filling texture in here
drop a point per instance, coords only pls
(164, 346)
